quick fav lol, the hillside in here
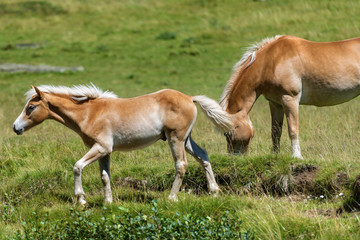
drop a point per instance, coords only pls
(134, 47)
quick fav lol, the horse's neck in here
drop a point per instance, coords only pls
(244, 93)
(66, 112)
(241, 103)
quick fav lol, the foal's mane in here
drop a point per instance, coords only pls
(240, 66)
(79, 92)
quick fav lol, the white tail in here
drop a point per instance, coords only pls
(214, 112)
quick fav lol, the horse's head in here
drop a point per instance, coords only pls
(34, 113)
(238, 139)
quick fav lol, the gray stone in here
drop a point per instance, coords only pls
(14, 67)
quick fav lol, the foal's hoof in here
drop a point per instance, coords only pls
(82, 201)
(215, 192)
(298, 157)
(173, 198)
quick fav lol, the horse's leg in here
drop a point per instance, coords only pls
(277, 118)
(104, 164)
(179, 155)
(96, 152)
(201, 156)
(291, 109)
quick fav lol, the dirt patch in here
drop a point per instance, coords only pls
(341, 179)
(356, 189)
(130, 182)
(303, 177)
(299, 183)
(327, 213)
(295, 198)
(352, 204)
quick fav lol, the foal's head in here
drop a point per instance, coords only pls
(34, 113)
(238, 139)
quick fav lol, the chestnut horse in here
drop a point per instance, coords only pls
(289, 71)
(107, 123)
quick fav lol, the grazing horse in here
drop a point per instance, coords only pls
(107, 123)
(289, 71)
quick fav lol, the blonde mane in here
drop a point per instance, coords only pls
(77, 92)
(240, 65)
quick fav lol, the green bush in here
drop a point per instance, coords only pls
(85, 225)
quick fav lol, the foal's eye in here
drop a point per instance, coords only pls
(30, 109)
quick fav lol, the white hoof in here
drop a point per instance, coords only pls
(214, 190)
(82, 201)
(298, 156)
(173, 198)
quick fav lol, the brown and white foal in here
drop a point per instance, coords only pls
(107, 123)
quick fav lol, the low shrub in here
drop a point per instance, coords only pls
(86, 225)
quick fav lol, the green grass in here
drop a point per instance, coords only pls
(134, 47)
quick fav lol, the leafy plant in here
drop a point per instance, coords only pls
(85, 225)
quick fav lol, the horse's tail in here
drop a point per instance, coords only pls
(214, 112)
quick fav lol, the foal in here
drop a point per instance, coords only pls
(107, 123)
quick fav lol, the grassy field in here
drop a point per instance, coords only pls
(133, 47)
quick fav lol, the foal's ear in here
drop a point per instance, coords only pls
(38, 92)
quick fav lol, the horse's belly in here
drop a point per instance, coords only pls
(330, 94)
(135, 140)
(137, 130)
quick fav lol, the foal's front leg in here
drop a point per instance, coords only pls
(95, 153)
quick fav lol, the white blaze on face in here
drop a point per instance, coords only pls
(20, 124)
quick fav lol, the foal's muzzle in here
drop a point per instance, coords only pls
(18, 131)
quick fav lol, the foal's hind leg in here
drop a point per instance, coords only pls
(277, 119)
(201, 156)
(179, 155)
(104, 164)
(96, 152)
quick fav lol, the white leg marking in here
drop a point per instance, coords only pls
(212, 185)
(95, 153)
(105, 177)
(296, 152)
(178, 152)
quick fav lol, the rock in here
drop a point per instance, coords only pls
(14, 67)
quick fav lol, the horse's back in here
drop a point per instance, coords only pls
(331, 72)
(324, 73)
(140, 121)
